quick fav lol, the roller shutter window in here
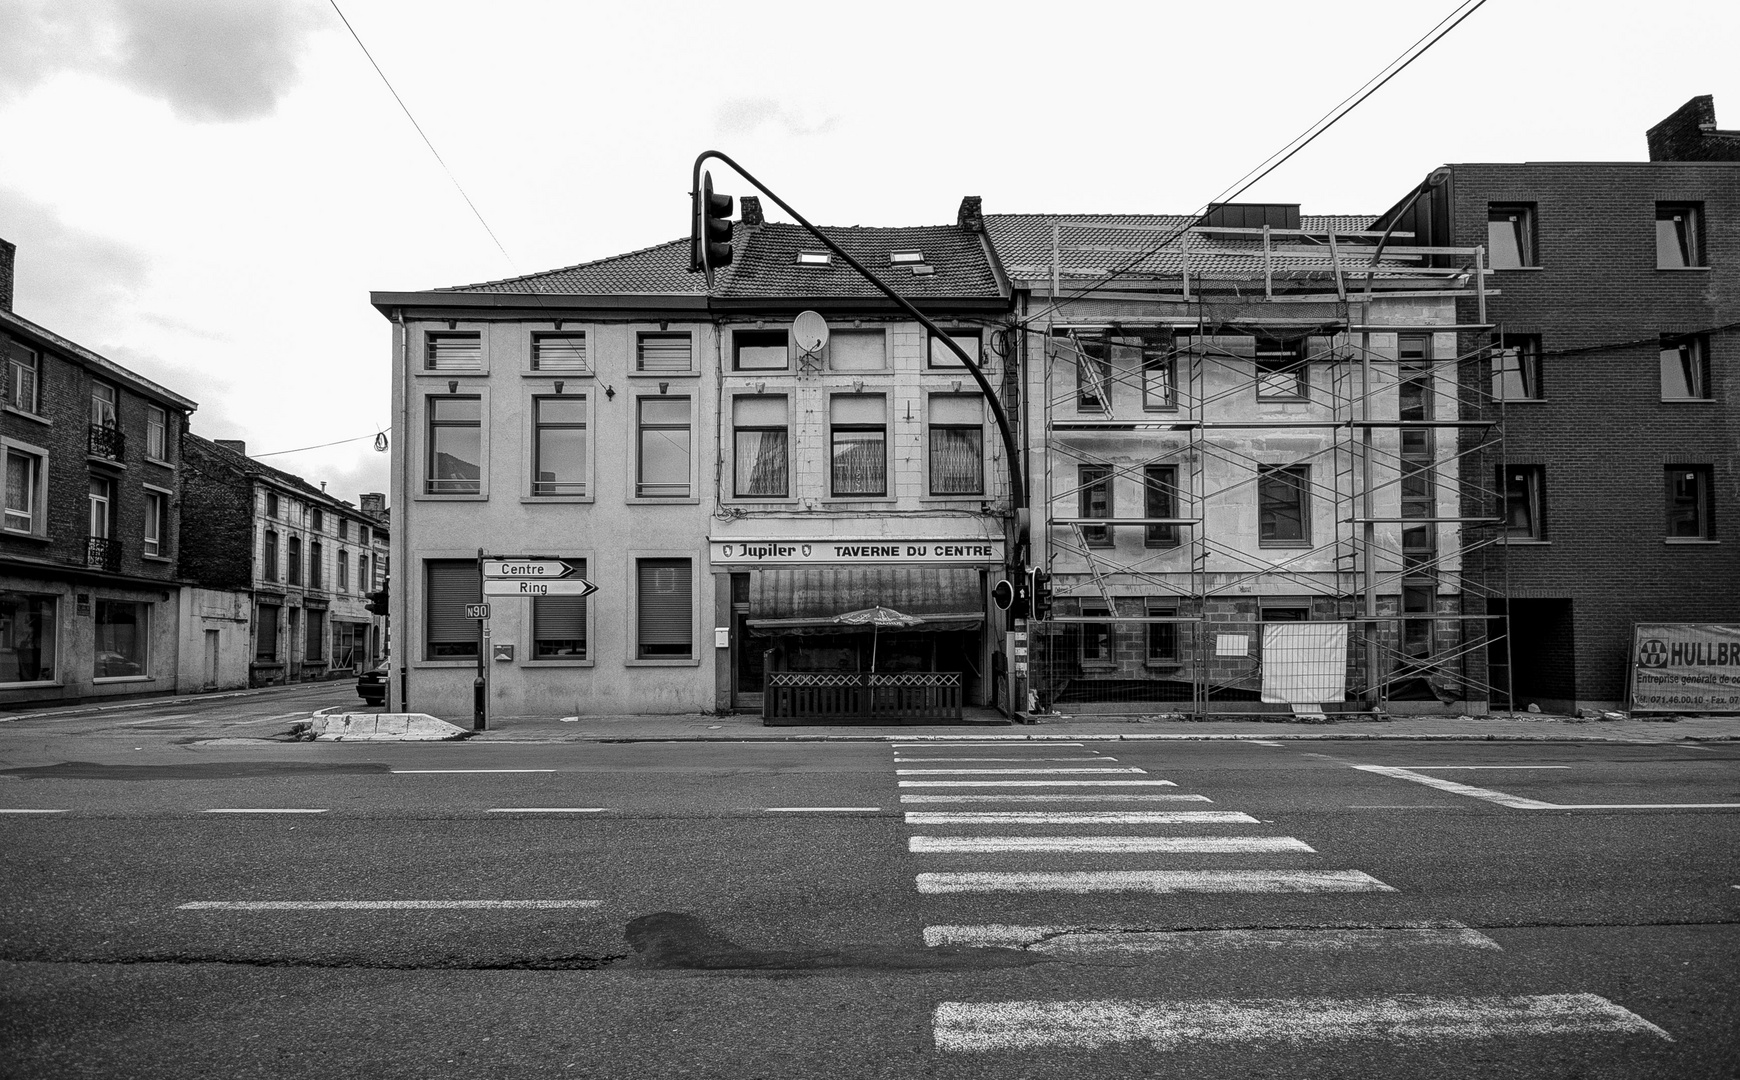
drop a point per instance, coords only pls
(559, 624)
(450, 584)
(665, 609)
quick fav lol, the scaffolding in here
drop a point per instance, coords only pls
(1313, 440)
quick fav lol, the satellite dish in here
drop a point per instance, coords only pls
(809, 331)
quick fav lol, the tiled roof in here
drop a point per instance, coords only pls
(1023, 243)
(765, 263)
(248, 466)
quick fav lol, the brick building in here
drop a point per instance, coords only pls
(1615, 366)
(89, 594)
(278, 573)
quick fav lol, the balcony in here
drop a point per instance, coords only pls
(107, 442)
(103, 553)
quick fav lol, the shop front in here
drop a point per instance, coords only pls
(848, 631)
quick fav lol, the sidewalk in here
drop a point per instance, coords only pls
(1525, 727)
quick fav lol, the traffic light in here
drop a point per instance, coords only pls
(378, 602)
(710, 235)
(1039, 595)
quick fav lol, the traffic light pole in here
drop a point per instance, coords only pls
(1017, 490)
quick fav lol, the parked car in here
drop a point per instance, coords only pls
(371, 685)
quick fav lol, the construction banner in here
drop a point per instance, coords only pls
(1304, 662)
(1685, 668)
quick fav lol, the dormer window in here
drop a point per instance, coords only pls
(815, 258)
(899, 258)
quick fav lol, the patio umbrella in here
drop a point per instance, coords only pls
(876, 618)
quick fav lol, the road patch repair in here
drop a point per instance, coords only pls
(377, 727)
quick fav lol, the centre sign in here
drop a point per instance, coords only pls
(523, 569)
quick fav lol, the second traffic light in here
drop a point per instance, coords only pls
(710, 236)
(1039, 596)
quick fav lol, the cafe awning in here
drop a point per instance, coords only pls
(806, 600)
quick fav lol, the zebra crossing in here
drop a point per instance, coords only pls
(973, 795)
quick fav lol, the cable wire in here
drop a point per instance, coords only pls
(318, 446)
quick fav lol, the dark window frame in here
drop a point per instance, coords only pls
(1690, 355)
(1160, 499)
(644, 489)
(1093, 480)
(1521, 218)
(435, 423)
(1274, 481)
(1696, 508)
(1517, 358)
(757, 342)
(1684, 241)
(1522, 487)
(541, 488)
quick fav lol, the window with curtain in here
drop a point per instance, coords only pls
(761, 434)
(156, 433)
(664, 609)
(154, 504)
(449, 585)
(957, 444)
(858, 435)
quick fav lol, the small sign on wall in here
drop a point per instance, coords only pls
(721, 637)
(1232, 644)
(83, 601)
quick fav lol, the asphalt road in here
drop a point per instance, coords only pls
(749, 910)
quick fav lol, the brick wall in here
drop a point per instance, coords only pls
(218, 554)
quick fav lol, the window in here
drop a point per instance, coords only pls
(1516, 368)
(559, 624)
(344, 528)
(664, 618)
(1280, 367)
(941, 356)
(897, 258)
(155, 504)
(1283, 506)
(1096, 638)
(1093, 374)
(103, 401)
(1684, 374)
(1688, 503)
(759, 350)
(266, 635)
(362, 534)
(1095, 501)
(667, 353)
(156, 433)
(455, 446)
(957, 444)
(315, 650)
(1285, 611)
(123, 631)
(271, 504)
(815, 258)
(343, 571)
(559, 352)
(1522, 486)
(1510, 235)
(449, 585)
(858, 434)
(348, 641)
(453, 350)
(761, 436)
(1162, 636)
(24, 507)
(317, 519)
(27, 638)
(1160, 488)
(664, 448)
(1159, 374)
(269, 557)
(559, 445)
(1417, 632)
(858, 350)
(316, 567)
(293, 561)
(22, 368)
(102, 500)
(365, 581)
(1679, 241)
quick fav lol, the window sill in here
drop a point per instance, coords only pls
(532, 500)
(1519, 401)
(642, 500)
(458, 662)
(105, 462)
(108, 679)
(1293, 545)
(1688, 401)
(1515, 269)
(1519, 542)
(158, 558)
(1283, 399)
(1687, 541)
(1162, 665)
(845, 502)
(482, 497)
(656, 375)
(39, 418)
(1099, 667)
(545, 373)
(1683, 269)
(755, 373)
(47, 685)
(784, 501)
(468, 373)
(956, 500)
(674, 662)
(13, 534)
(149, 460)
(552, 663)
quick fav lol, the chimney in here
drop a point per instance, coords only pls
(751, 205)
(373, 502)
(238, 445)
(7, 250)
(1690, 134)
(971, 216)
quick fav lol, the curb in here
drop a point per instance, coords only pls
(1206, 737)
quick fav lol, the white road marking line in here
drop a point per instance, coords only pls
(1037, 783)
(1124, 845)
(1439, 768)
(944, 741)
(1144, 796)
(1080, 940)
(548, 809)
(163, 719)
(1174, 1025)
(1396, 806)
(821, 809)
(12, 811)
(1090, 757)
(1151, 881)
(1516, 802)
(1262, 742)
(1083, 817)
(1014, 772)
(435, 772)
(386, 905)
(264, 810)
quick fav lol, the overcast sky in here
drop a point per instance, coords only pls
(207, 190)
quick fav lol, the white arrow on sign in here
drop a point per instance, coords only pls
(558, 587)
(522, 569)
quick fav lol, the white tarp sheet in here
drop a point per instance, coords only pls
(1304, 662)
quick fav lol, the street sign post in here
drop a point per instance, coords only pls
(527, 569)
(554, 587)
(477, 611)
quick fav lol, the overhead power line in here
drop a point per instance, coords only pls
(321, 446)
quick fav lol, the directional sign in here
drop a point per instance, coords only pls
(477, 611)
(557, 587)
(524, 569)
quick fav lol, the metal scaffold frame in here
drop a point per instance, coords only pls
(1395, 444)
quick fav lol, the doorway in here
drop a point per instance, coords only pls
(211, 659)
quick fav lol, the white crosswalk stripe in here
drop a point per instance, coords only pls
(1082, 817)
(1143, 796)
(1011, 772)
(1123, 845)
(1078, 941)
(1152, 881)
(1037, 783)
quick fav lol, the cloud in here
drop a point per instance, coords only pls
(209, 60)
(746, 115)
(67, 279)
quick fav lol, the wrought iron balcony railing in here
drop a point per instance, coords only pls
(103, 553)
(108, 442)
